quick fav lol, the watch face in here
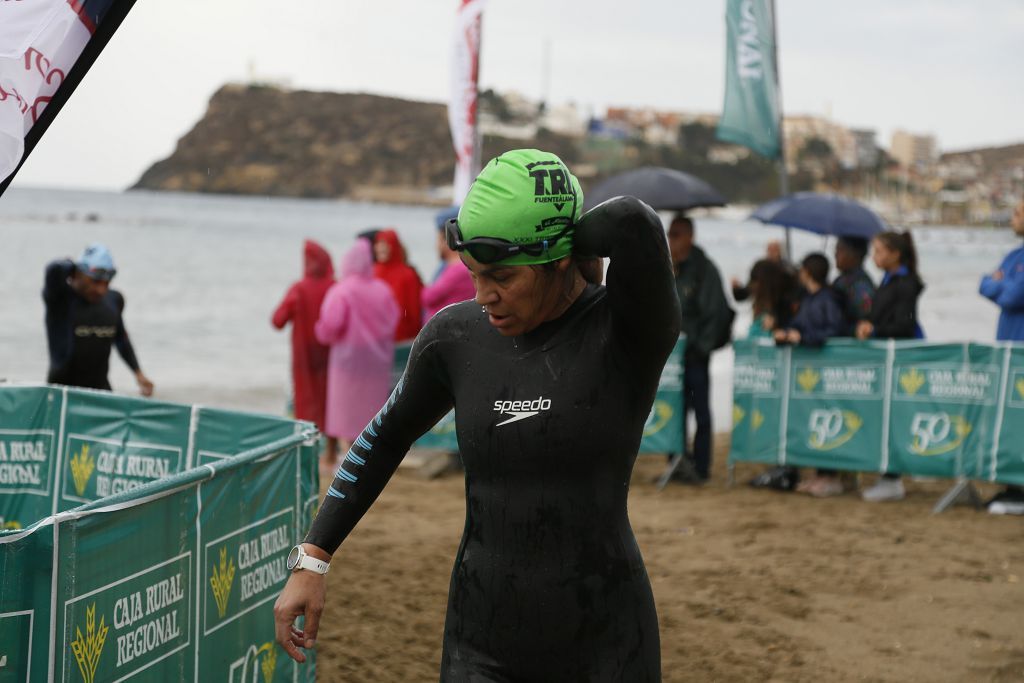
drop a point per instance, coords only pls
(293, 558)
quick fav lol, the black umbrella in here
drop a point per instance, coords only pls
(661, 188)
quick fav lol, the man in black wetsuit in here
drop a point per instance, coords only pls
(552, 379)
(83, 320)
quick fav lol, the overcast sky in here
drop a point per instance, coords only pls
(946, 67)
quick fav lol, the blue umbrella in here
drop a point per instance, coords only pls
(825, 214)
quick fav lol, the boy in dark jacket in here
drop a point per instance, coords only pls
(821, 315)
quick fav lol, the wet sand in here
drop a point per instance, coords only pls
(750, 585)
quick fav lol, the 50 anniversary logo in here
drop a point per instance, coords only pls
(832, 428)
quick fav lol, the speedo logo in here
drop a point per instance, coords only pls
(520, 410)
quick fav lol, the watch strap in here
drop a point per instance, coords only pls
(307, 561)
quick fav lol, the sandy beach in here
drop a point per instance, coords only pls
(750, 585)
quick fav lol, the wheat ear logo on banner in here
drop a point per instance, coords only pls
(82, 466)
(912, 381)
(808, 379)
(269, 662)
(87, 649)
(221, 581)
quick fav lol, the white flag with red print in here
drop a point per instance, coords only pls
(462, 111)
(39, 42)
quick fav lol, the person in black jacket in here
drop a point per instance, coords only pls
(894, 316)
(83, 320)
(705, 314)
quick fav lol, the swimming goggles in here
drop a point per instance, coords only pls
(492, 249)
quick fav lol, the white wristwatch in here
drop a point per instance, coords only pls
(300, 559)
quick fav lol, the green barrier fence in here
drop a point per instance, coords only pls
(941, 410)
(663, 432)
(173, 575)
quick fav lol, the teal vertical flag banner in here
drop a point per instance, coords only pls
(750, 115)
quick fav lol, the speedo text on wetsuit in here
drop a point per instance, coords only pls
(549, 583)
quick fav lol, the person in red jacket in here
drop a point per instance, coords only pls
(301, 307)
(405, 283)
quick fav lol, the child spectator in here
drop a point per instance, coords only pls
(820, 317)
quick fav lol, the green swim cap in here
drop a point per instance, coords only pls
(524, 196)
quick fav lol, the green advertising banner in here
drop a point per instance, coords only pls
(944, 401)
(173, 577)
(758, 382)
(908, 407)
(835, 407)
(663, 431)
(1006, 463)
(29, 424)
(112, 444)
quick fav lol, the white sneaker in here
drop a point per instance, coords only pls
(885, 490)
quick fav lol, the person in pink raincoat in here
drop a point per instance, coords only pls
(452, 282)
(357, 320)
(301, 307)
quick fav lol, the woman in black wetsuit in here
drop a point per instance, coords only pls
(552, 379)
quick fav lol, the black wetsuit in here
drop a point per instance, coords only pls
(80, 333)
(548, 584)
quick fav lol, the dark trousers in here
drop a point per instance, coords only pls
(697, 397)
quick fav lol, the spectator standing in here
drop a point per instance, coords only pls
(301, 308)
(357, 320)
(706, 318)
(84, 319)
(1005, 287)
(771, 291)
(852, 283)
(820, 317)
(452, 282)
(893, 316)
(392, 267)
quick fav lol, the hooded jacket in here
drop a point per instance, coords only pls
(405, 284)
(357, 320)
(301, 308)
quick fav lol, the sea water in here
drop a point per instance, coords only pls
(201, 275)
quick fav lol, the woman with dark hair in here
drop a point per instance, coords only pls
(772, 294)
(552, 378)
(893, 316)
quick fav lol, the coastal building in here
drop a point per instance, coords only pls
(914, 151)
(865, 148)
(801, 129)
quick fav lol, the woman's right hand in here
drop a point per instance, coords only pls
(303, 595)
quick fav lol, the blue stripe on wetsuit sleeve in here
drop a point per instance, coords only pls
(346, 476)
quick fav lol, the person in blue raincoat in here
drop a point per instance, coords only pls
(1005, 287)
